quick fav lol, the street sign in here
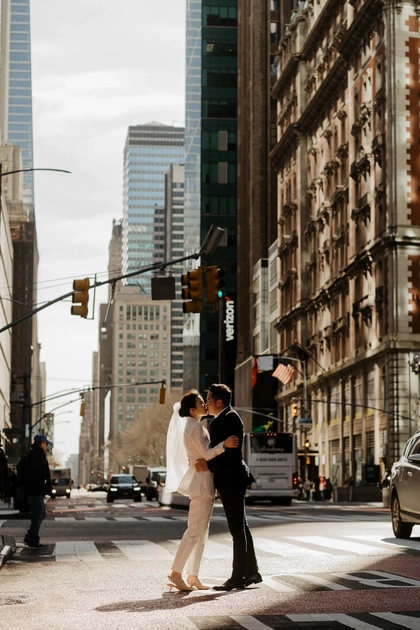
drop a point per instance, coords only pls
(306, 422)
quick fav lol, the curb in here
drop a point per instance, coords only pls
(8, 547)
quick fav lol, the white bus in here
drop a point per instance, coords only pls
(273, 461)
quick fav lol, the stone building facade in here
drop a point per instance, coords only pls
(349, 228)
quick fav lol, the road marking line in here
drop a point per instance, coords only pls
(64, 519)
(407, 544)
(77, 551)
(381, 582)
(142, 550)
(96, 519)
(316, 579)
(352, 622)
(1, 523)
(277, 586)
(285, 549)
(156, 519)
(126, 519)
(212, 550)
(250, 623)
(411, 623)
(332, 543)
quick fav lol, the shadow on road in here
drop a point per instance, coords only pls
(169, 601)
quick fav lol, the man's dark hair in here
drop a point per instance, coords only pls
(222, 392)
(188, 401)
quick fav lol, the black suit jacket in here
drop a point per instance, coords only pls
(230, 470)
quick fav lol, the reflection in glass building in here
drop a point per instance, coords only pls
(192, 126)
(20, 91)
(149, 151)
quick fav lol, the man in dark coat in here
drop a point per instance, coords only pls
(37, 485)
(231, 478)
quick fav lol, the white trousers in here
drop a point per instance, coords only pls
(195, 536)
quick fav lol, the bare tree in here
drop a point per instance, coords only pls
(145, 442)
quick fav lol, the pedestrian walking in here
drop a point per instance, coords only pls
(322, 488)
(37, 485)
(307, 488)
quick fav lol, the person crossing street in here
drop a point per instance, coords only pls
(37, 485)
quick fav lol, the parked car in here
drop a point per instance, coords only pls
(404, 489)
(123, 486)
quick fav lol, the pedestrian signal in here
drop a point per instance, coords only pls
(80, 296)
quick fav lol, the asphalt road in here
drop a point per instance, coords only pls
(324, 566)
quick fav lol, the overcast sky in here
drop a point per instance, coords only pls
(98, 66)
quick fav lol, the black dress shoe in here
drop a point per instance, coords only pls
(230, 584)
(253, 579)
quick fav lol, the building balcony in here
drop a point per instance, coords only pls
(362, 212)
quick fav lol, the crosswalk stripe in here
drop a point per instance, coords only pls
(352, 622)
(277, 586)
(212, 550)
(156, 519)
(96, 519)
(76, 551)
(1, 523)
(143, 550)
(64, 519)
(250, 623)
(334, 543)
(397, 543)
(126, 519)
(284, 549)
(316, 579)
(401, 620)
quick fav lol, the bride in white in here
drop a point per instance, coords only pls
(188, 441)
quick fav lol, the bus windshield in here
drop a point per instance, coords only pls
(271, 443)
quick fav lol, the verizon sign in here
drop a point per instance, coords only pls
(230, 320)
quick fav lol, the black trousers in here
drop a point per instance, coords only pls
(244, 559)
(37, 505)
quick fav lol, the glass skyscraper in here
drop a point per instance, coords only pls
(218, 193)
(192, 126)
(149, 151)
(20, 92)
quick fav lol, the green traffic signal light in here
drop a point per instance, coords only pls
(220, 294)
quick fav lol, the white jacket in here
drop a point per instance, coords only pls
(197, 445)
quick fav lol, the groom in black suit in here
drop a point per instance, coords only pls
(231, 478)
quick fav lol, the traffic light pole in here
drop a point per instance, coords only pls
(154, 267)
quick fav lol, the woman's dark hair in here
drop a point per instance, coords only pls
(222, 392)
(188, 401)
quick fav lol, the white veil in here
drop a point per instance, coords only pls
(176, 455)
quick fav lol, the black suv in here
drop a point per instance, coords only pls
(122, 486)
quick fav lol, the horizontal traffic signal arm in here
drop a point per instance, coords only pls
(155, 267)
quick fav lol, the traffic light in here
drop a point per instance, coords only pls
(82, 409)
(215, 284)
(294, 410)
(81, 296)
(192, 283)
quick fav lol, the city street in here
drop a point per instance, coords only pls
(324, 566)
